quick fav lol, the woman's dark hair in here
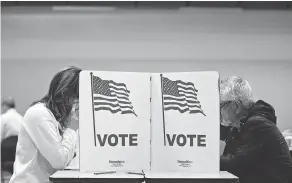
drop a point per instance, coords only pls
(64, 89)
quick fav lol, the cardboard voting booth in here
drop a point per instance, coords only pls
(185, 122)
(114, 121)
(154, 122)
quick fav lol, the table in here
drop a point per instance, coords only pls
(177, 177)
(75, 176)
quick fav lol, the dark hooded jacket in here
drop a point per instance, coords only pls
(257, 152)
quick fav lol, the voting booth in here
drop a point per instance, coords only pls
(150, 125)
(148, 121)
(185, 122)
(114, 121)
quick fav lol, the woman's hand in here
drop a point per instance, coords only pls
(73, 118)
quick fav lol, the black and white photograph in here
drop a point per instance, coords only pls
(146, 91)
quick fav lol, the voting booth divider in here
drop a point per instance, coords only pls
(149, 122)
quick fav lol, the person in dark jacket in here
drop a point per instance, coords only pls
(255, 149)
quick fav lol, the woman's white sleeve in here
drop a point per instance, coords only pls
(45, 135)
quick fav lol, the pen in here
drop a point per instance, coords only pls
(98, 173)
(134, 173)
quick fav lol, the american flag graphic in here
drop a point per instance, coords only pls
(111, 96)
(181, 96)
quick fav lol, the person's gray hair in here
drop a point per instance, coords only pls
(235, 88)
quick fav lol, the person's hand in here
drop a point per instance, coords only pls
(224, 123)
(73, 118)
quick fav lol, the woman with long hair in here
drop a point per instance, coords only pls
(47, 139)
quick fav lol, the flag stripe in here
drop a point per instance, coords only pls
(186, 83)
(197, 111)
(112, 100)
(187, 96)
(181, 105)
(186, 107)
(119, 97)
(118, 84)
(113, 105)
(107, 108)
(128, 112)
(183, 97)
(115, 95)
(120, 93)
(119, 89)
(187, 87)
(181, 100)
(115, 108)
(186, 92)
(184, 110)
(190, 102)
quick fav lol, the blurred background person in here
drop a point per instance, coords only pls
(11, 122)
(48, 138)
